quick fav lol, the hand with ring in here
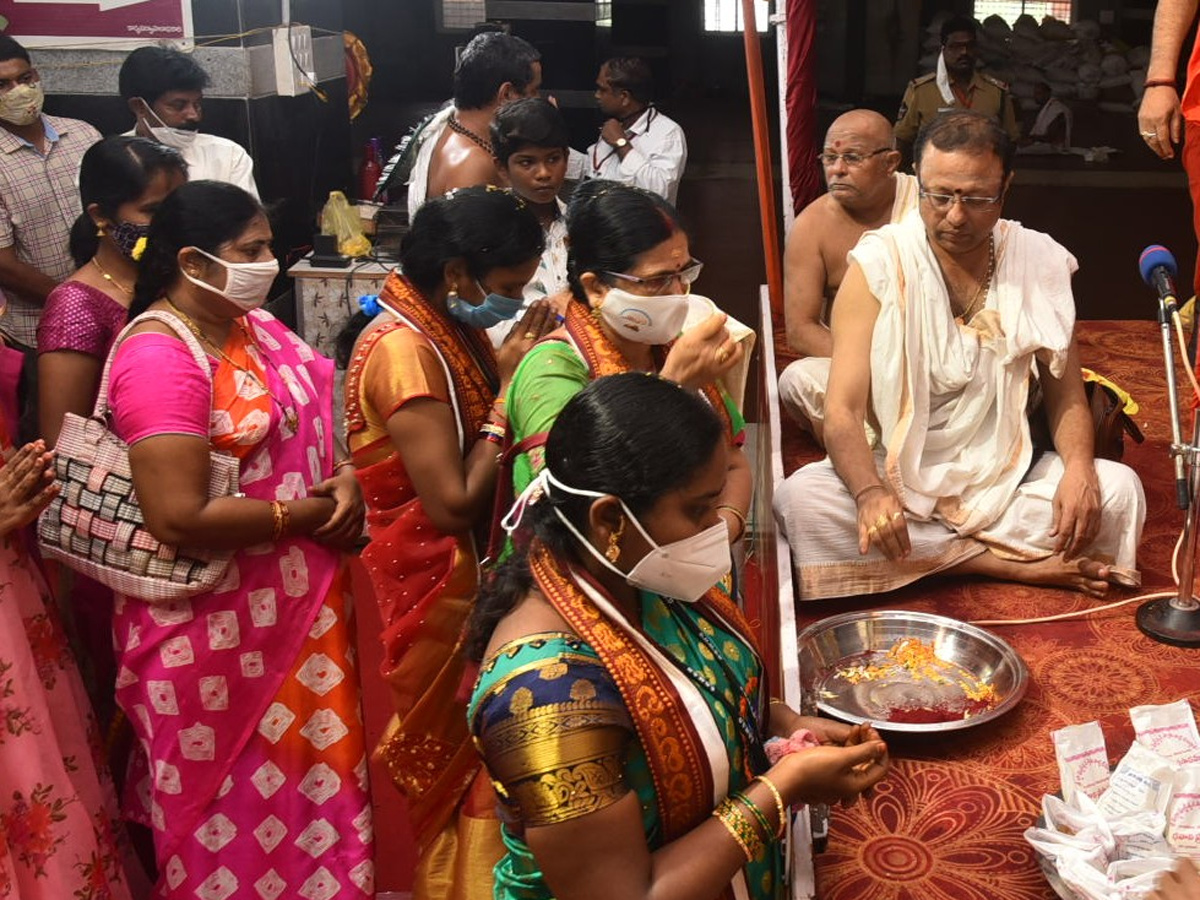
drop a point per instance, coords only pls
(702, 354)
(1160, 120)
(538, 320)
(881, 523)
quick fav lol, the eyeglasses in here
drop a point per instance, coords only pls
(658, 284)
(943, 202)
(853, 160)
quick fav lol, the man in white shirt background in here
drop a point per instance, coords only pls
(164, 89)
(638, 145)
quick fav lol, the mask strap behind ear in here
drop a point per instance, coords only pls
(532, 494)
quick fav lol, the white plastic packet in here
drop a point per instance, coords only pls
(1087, 881)
(1169, 730)
(1142, 782)
(1138, 878)
(1183, 813)
(1139, 836)
(1086, 847)
(1082, 760)
(1082, 819)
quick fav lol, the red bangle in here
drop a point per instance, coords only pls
(1159, 82)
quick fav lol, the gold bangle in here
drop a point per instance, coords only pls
(765, 831)
(869, 487)
(281, 517)
(779, 807)
(740, 516)
(342, 463)
(743, 831)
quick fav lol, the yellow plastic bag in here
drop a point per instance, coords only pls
(341, 219)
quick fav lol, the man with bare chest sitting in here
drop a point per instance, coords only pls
(866, 192)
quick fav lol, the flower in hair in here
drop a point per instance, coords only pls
(139, 249)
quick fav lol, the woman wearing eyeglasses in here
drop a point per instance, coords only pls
(630, 269)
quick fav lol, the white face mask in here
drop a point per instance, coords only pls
(179, 138)
(684, 570)
(23, 104)
(246, 284)
(646, 320)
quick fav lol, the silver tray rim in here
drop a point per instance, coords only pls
(1002, 646)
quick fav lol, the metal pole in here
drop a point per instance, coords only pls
(1176, 620)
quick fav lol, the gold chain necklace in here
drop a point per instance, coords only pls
(289, 414)
(981, 291)
(110, 279)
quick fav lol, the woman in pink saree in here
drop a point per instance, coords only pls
(59, 834)
(245, 697)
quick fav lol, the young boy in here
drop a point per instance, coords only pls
(530, 140)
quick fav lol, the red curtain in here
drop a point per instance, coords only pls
(801, 102)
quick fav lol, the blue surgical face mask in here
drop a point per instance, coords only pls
(494, 309)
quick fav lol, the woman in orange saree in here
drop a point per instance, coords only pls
(424, 423)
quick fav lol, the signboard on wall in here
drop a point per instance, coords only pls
(112, 24)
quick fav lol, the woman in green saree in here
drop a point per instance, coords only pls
(620, 707)
(630, 271)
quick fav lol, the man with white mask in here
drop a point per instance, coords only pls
(164, 89)
(39, 200)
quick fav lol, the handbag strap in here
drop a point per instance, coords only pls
(101, 409)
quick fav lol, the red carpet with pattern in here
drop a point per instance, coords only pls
(947, 823)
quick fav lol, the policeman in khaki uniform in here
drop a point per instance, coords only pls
(955, 85)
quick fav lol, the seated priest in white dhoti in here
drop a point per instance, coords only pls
(938, 328)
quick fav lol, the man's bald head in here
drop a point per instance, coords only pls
(860, 159)
(865, 124)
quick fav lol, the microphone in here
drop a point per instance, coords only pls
(1158, 269)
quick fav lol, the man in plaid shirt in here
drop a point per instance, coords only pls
(39, 194)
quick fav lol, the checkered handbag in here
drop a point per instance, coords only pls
(95, 525)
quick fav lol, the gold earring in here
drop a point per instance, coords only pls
(614, 543)
(100, 232)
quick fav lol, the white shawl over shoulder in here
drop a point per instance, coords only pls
(950, 398)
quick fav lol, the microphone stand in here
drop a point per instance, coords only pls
(1176, 620)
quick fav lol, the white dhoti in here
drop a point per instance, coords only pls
(954, 442)
(802, 389)
(820, 519)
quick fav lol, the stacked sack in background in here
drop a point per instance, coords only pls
(1073, 59)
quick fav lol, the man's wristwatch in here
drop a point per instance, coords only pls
(621, 142)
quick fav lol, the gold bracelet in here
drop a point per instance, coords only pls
(737, 824)
(281, 516)
(740, 516)
(779, 807)
(766, 833)
(342, 463)
(869, 487)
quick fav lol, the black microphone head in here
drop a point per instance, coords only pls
(1153, 257)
